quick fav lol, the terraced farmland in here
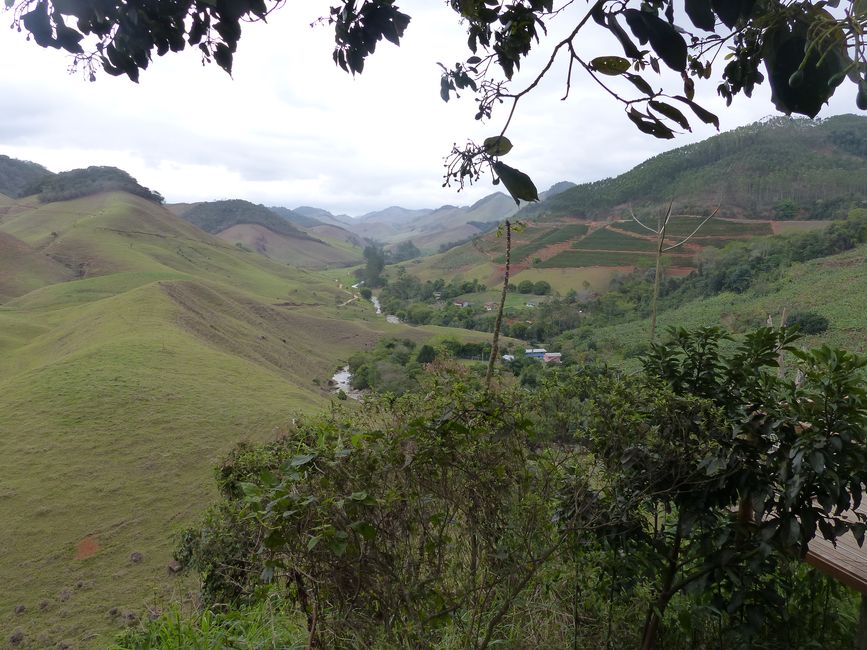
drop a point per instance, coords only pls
(682, 226)
(606, 239)
(556, 236)
(577, 258)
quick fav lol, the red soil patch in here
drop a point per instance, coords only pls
(86, 547)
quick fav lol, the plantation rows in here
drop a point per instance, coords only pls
(683, 226)
(555, 236)
(572, 258)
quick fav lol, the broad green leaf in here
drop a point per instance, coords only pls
(700, 13)
(366, 530)
(520, 185)
(498, 145)
(301, 459)
(444, 88)
(358, 496)
(640, 83)
(338, 547)
(610, 65)
(671, 113)
(704, 115)
(650, 125)
(817, 461)
(664, 38)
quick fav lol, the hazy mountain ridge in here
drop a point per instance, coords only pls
(295, 218)
(431, 229)
(323, 216)
(328, 226)
(777, 168)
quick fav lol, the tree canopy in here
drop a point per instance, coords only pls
(805, 49)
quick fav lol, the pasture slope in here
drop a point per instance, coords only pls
(135, 351)
(834, 287)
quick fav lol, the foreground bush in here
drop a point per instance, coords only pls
(664, 509)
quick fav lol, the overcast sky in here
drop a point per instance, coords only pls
(290, 128)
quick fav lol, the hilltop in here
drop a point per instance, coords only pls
(76, 183)
(18, 175)
(778, 168)
(276, 235)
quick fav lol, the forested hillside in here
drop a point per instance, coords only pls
(780, 168)
(217, 216)
(18, 175)
(77, 183)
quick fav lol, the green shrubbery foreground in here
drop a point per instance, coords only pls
(667, 509)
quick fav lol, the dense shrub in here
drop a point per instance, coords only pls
(541, 288)
(808, 322)
(666, 508)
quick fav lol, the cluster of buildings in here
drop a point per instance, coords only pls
(538, 353)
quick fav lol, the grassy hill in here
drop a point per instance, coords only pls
(135, 351)
(774, 176)
(23, 269)
(779, 168)
(121, 388)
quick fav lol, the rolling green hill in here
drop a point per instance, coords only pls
(778, 168)
(135, 351)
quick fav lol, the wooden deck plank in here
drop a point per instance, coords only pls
(847, 562)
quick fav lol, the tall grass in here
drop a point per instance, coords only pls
(263, 626)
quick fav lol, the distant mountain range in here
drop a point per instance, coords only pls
(430, 229)
(779, 168)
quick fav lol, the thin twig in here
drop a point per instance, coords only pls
(495, 344)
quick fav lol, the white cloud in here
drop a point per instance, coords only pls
(290, 128)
